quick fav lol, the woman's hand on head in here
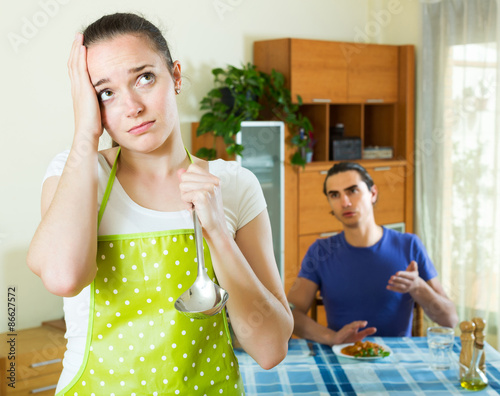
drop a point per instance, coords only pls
(85, 102)
(202, 189)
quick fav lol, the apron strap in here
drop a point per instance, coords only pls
(109, 186)
(111, 180)
(189, 154)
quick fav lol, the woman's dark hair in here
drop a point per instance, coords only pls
(349, 166)
(114, 25)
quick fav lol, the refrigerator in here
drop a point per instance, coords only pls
(263, 155)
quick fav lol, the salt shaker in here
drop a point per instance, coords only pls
(479, 335)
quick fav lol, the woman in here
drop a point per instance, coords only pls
(129, 207)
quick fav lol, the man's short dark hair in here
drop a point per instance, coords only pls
(349, 166)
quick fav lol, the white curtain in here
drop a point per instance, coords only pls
(458, 153)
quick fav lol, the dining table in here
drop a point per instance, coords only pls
(311, 368)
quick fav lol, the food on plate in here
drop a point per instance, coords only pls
(365, 349)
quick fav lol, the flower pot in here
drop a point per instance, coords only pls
(307, 154)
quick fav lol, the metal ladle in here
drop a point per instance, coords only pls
(204, 298)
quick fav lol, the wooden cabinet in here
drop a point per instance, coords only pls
(373, 74)
(318, 71)
(332, 72)
(37, 366)
(364, 87)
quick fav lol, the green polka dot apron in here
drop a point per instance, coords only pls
(137, 342)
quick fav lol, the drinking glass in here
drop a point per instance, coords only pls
(440, 341)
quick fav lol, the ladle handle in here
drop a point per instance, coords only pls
(198, 239)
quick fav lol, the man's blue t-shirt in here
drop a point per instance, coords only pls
(353, 280)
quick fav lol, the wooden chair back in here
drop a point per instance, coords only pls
(417, 328)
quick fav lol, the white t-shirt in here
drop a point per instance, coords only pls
(242, 199)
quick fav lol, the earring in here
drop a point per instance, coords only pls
(177, 91)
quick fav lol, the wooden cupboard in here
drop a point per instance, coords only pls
(332, 72)
(373, 74)
(318, 73)
(37, 357)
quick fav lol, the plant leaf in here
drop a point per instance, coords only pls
(207, 153)
(297, 159)
(253, 91)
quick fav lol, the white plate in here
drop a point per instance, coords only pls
(337, 349)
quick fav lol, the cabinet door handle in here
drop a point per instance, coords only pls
(45, 363)
(327, 234)
(323, 172)
(45, 388)
(374, 100)
(321, 100)
(381, 168)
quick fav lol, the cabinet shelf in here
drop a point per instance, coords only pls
(374, 124)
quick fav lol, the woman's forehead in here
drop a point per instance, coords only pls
(119, 55)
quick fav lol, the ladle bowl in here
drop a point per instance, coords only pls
(204, 298)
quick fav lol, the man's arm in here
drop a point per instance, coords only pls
(429, 295)
(301, 295)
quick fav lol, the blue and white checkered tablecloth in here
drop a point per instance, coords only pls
(405, 372)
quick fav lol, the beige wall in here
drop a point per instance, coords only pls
(36, 109)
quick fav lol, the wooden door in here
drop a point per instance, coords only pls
(315, 215)
(373, 74)
(390, 205)
(318, 71)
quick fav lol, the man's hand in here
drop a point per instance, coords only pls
(405, 281)
(350, 332)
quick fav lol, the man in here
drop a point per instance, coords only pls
(367, 274)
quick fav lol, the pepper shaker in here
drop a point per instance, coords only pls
(467, 339)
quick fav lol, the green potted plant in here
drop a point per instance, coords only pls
(246, 93)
